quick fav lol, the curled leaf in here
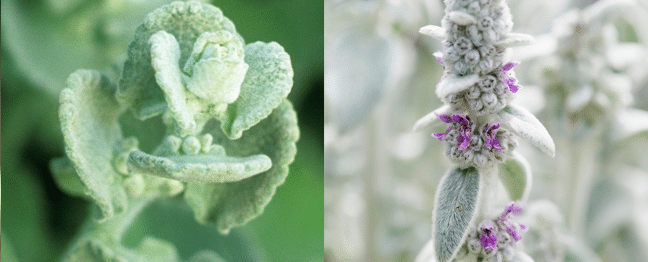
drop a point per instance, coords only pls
(66, 177)
(455, 210)
(228, 205)
(89, 114)
(267, 82)
(515, 174)
(524, 124)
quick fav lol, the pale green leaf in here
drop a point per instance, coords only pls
(89, 114)
(450, 84)
(520, 256)
(610, 206)
(267, 82)
(137, 86)
(434, 31)
(525, 125)
(515, 174)
(455, 209)
(432, 118)
(462, 18)
(515, 39)
(66, 177)
(228, 205)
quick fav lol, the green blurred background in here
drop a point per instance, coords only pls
(44, 41)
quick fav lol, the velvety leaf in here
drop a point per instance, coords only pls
(199, 168)
(89, 114)
(66, 177)
(233, 204)
(525, 125)
(520, 256)
(610, 206)
(515, 39)
(516, 176)
(267, 82)
(462, 18)
(431, 119)
(455, 209)
(137, 86)
(455, 84)
(434, 31)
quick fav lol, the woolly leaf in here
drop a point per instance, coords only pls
(455, 84)
(525, 125)
(515, 39)
(462, 18)
(455, 209)
(228, 205)
(89, 114)
(520, 256)
(515, 174)
(432, 118)
(137, 87)
(434, 31)
(210, 168)
(66, 177)
(267, 82)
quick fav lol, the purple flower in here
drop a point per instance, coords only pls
(508, 79)
(489, 136)
(439, 59)
(504, 220)
(488, 237)
(459, 122)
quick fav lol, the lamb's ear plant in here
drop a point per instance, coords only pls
(188, 65)
(477, 87)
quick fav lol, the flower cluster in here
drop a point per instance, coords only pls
(469, 145)
(494, 240)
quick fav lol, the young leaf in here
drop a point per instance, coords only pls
(267, 82)
(462, 18)
(434, 31)
(455, 209)
(455, 84)
(66, 177)
(520, 256)
(228, 205)
(137, 87)
(522, 123)
(515, 39)
(89, 114)
(431, 119)
(515, 174)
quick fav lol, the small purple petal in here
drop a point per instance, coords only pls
(440, 135)
(439, 59)
(488, 237)
(445, 118)
(514, 88)
(510, 65)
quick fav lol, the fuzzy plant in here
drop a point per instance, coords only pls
(477, 87)
(230, 131)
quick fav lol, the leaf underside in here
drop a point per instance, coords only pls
(525, 125)
(455, 207)
(229, 205)
(516, 176)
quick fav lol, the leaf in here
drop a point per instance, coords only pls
(201, 168)
(462, 18)
(137, 87)
(66, 177)
(455, 209)
(228, 205)
(515, 174)
(450, 84)
(434, 31)
(523, 124)
(515, 39)
(610, 206)
(268, 81)
(431, 119)
(89, 114)
(520, 256)
(427, 252)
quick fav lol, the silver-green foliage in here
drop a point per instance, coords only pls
(188, 64)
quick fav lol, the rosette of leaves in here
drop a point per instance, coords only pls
(188, 64)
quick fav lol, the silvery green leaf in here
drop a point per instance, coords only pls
(631, 126)
(89, 114)
(137, 87)
(515, 39)
(66, 177)
(610, 206)
(580, 98)
(267, 82)
(431, 119)
(434, 31)
(462, 18)
(208, 168)
(621, 55)
(165, 57)
(516, 176)
(455, 209)
(525, 125)
(598, 14)
(454, 84)
(228, 205)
